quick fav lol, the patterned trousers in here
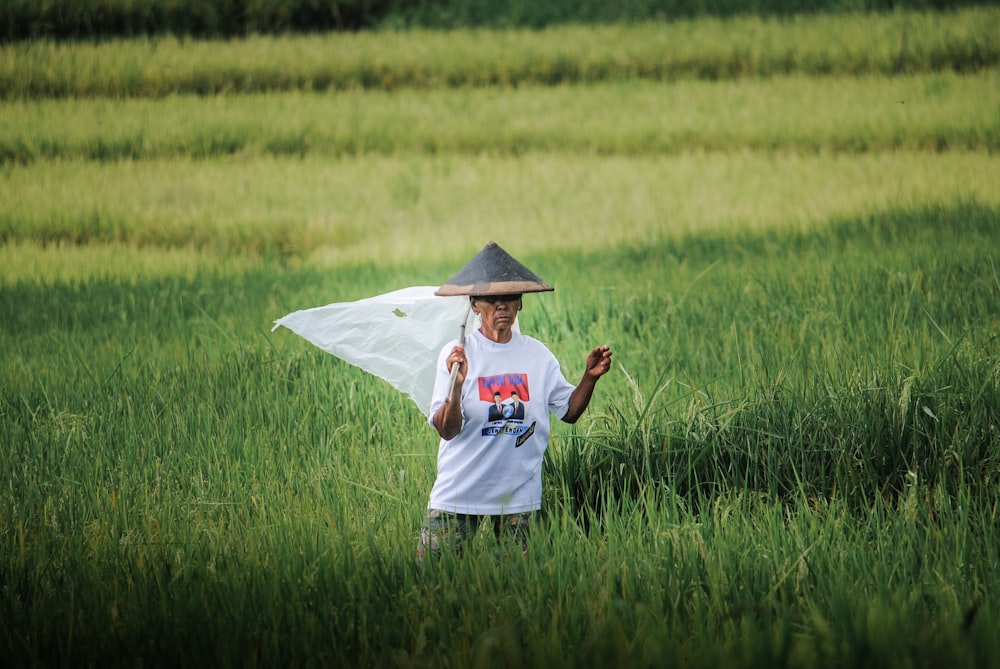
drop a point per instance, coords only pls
(442, 529)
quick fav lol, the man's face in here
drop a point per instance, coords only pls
(497, 312)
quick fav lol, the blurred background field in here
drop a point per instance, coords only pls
(87, 19)
(334, 212)
(850, 43)
(934, 112)
(784, 221)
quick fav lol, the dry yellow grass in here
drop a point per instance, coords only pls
(404, 208)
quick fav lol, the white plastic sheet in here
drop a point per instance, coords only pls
(396, 336)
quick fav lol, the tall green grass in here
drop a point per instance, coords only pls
(868, 374)
(794, 464)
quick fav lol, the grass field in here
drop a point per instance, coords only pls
(934, 112)
(794, 462)
(902, 42)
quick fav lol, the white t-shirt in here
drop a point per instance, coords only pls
(494, 465)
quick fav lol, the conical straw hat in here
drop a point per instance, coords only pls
(493, 271)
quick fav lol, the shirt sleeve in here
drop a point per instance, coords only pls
(560, 389)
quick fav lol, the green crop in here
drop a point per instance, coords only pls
(794, 462)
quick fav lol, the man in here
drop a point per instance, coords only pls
(496, 411)
(516, 409)
(488, 469)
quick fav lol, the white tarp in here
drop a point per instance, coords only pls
(396, 336)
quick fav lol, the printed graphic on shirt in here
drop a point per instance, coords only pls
(506, 395)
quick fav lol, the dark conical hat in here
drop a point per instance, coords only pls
(493, 271)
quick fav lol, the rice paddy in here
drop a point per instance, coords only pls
(794, 462)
